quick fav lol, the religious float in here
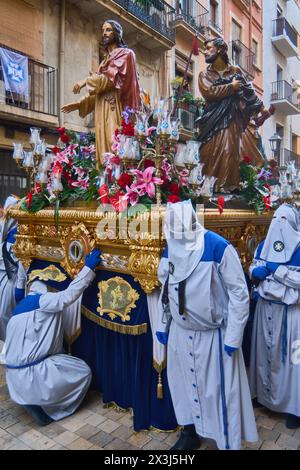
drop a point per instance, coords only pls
(116, 203)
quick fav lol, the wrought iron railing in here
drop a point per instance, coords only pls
(242, 56)
(157, 14)
(42, 93)
(282, 27)
(283, 90)
(193, 13)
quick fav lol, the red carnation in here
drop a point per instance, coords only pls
(65, 138)
(37, 188)
(124, 180)
(61, 130)
(173, 198)
(247, 160)
(174, 189)
(128, 129)
(55, 150)
(115, 160)
(57, 168)
(67, 175)
(148, 163)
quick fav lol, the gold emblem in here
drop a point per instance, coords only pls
(50, 273)
(116, 298)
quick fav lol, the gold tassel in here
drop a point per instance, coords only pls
(160, 391)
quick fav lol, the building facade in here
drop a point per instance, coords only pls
(282, 76)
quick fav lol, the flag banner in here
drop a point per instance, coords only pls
(15, 71)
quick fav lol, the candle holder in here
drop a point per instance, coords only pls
(18, 154)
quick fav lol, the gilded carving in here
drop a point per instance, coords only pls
(76, 236)
(136, 255)
(50, 273)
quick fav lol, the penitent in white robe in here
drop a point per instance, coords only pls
(7, 288)
(275, 350)
(216, 311)
(58, 383)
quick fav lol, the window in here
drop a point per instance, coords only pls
(180, 67)
(213, 12)
(236, 31)
(12, 179)
(278, 154)
(236, 51)
(255, 52)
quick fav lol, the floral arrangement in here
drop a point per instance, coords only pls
(131, 176)
(72, 163)
(125, 187)
(256, 183)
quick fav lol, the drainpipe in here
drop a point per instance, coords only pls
(61, 60)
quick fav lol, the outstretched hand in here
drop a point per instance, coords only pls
(69, 108)
(93, 259)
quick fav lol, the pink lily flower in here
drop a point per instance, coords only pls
(132, 196)
(82, 184)
(61, 157)
(71, 150)
(146, 181)
(167, 168)
(79, 172)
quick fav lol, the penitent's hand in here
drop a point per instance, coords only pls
(69, 108)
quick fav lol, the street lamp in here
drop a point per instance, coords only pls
(275, 142)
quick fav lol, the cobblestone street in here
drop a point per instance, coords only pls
(96, 427)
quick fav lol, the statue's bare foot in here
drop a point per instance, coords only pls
(68, 108)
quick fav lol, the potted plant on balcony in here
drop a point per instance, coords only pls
(177, 82)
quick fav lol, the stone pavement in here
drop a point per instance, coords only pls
(96, 427)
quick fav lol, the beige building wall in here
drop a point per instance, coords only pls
(21, 26)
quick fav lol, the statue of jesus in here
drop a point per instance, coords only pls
(110, 90)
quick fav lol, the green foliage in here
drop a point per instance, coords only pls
(254, 189)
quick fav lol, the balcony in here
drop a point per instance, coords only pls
(191, 17)
(242, 4)
(285, 98)
(285, 38)
(42, 97)
(215, 27)
(156, 14)
(243, 57)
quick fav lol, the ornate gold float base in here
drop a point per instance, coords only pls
(80, 229)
